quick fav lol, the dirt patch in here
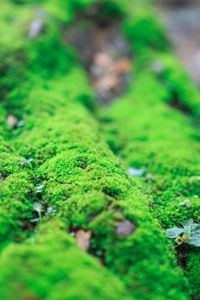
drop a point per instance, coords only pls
(103, 51)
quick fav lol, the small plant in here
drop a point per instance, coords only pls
(39, 188)
(189, 234)
(38, 208)
(26, 161)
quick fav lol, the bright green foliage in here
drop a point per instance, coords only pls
(148, 134)
(151, 135)
(88, 189)
(59, 161)
(192, 271)
(149, 43)
(49, 266)
(182, 88)
(16, 192)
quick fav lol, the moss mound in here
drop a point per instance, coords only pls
(49, 266)
(58, 175)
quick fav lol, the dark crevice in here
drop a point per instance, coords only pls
(103, 51)
(177, 104)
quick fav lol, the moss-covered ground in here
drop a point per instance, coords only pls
(64, 161)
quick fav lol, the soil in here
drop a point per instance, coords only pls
(104, 53)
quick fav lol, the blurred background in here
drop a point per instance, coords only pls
(182, 19)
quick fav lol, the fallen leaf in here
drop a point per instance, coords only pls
(21, 123)
(51, 210)
(39, 188)
(11, 121)
(123, 65)
(103, 59)
(136, 172)
(83, 239)
(107, 82)
(26, 161)
(125, 228)
(36, 27)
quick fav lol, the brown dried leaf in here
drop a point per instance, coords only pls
(103, 59)
(107, 82)
(123, 65)
(83, 239)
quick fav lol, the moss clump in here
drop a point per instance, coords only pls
(49, 266)
(82, 182)
(149, 42)
(192, 271)
(151, 135)
(162, 141)
(88, 189)
(181, 86)
(17, 193)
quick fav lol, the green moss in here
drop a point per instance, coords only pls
(181, 86)
(148, 134)
(193, 265)
(88, 189)
(71, 274)
(82, 180)
(148, 40)
(17, 193)
(142, 29)
(151, 135)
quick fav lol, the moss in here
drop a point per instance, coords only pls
(71, 274)
(23, 58)
(89, 190)
(142, 29)
(148, 39)
(193, 265)
(182, 88)
(149, 134)
(17, 194)
(162, 141)
(83, 181)
(12, 53)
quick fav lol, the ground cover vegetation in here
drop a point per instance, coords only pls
(97, 202)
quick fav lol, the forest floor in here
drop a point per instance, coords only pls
(103, 51)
